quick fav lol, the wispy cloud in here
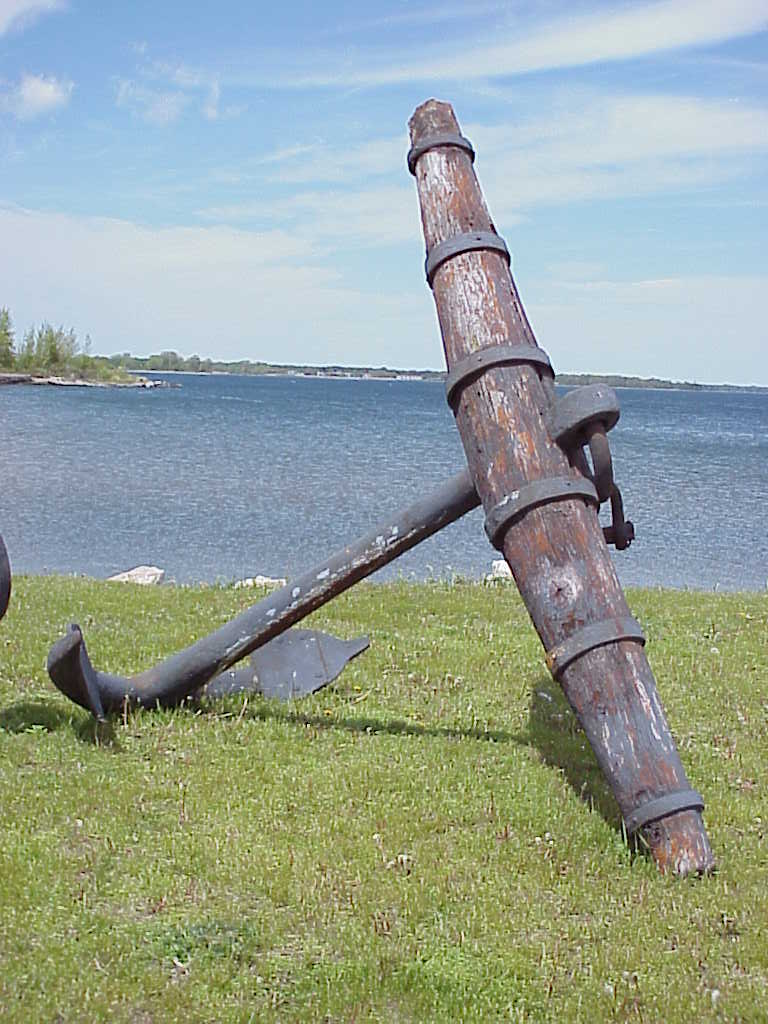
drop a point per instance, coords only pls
(36, 96)
(430, 14)
(155, 106)
(590, 146)
(160, 92)
(211, 103)
(685, 328)
(579, 146)
(602, 35)
(19, 14)
(318, 162)
(330, 219)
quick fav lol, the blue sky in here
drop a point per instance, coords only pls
(230, 180)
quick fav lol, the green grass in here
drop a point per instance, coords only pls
(427, 840)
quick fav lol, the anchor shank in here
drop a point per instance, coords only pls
(183, 673)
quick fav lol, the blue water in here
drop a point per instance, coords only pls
(227, 477)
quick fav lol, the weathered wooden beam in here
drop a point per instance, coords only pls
(555, 550)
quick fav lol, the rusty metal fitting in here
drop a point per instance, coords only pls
(433, 142)
(572, 413)
(663, 807)
(514, 506)
(583, 417)
(471, 241)
(621, 532)
(598, 634)
(496, 355)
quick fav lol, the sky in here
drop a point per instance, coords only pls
(229, 179)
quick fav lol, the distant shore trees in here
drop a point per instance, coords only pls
(51, 351)
(7, 339)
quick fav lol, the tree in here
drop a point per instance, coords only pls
(47, 348)
(7, 350)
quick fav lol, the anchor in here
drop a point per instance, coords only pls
(526, 452)
(282, 670)
(5, 578)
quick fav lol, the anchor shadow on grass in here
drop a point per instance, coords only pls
(554, 730)
(267, 711)
(44, 717)
(34, 716)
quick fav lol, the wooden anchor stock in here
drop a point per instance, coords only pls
(540, 508)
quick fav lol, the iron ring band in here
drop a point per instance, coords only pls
(471, 241)
(540, 492)
(495, 355)
(432, 142)
(598, 634)
(663, 807)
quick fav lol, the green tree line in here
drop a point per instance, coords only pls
(163, 362)
(51, 351)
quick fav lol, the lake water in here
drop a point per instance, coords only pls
(227, 477)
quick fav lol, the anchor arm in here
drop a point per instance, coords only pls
(170, 682)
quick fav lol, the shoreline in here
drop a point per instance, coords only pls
(438, 377)
(145, 382)
(487, 580)
(81, 382)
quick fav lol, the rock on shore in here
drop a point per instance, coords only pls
(144, 574)
(78, 382)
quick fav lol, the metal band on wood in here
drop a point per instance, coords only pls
(496, 355)
(539, 492)
(599, 634)
(671, 803)
(472, 241)
(433, 141)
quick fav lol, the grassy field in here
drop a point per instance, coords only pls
(429, 839)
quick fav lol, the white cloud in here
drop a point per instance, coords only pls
(17, 14)
(605, 34)
(216, 291)
(35, 96)
(155, 106)
(682, 328)
(369, 217)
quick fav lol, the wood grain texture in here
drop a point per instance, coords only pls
(556, 552)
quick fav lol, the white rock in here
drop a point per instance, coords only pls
(260, 581)
(144, 574)
(499, 571)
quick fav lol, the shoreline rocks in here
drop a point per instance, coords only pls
(79, 382)
(260, 581)
(149, 575)
(146, 575)
(499, 571)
